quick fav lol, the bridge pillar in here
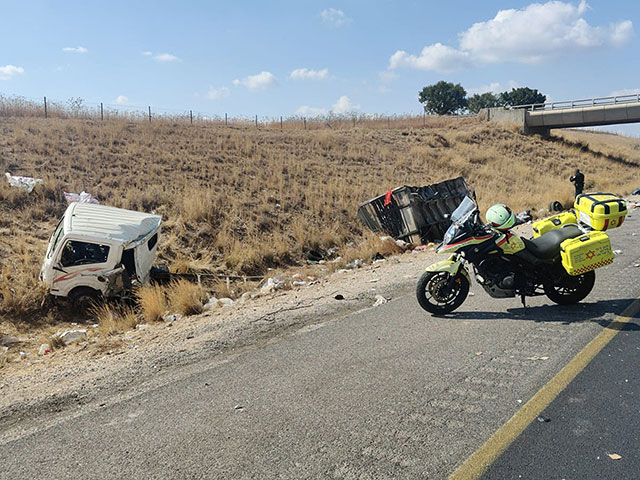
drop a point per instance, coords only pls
(544, 132)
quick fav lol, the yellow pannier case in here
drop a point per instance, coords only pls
(600, 211)
(551, 223)
(586, 252)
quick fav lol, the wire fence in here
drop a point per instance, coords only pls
(23, 107)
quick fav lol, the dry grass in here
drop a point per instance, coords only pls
(113, 318)
(240, 200)
(186, 298)
(152, 301)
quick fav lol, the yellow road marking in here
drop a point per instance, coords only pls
(482, 458)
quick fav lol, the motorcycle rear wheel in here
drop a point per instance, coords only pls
(440, 292)
(570, 289)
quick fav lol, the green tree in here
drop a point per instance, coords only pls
(482, 100)
(443, 98)
(522, 96)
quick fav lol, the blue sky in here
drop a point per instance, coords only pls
(294, 57)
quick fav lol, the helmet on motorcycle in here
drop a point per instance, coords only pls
(501, 217)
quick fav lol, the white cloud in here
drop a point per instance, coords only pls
(307, 111)
(259, 81)
(535, 33)
(334, 17)
(122, 100)
(309, 74)
(438, 57)
(218, 93)
(166, 57)
(494, 87)
(147, 53)
(9, 71)
(344, 105)
(75, 49)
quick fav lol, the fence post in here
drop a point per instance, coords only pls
(256, 120)
(101, 112)
(45, 107)
(424, 119)
(280, 122)
(225, 119)
(354, 121)
(191, 116)
(305, 122)
(149, 113)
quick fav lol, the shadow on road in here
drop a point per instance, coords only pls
(581, 312)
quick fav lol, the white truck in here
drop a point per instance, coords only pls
(99, 251)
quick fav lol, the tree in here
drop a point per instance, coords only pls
(483, 100)
(443, 98)
(522, 96)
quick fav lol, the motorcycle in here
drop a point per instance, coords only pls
(504, 264)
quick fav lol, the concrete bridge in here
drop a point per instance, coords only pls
(540, 118)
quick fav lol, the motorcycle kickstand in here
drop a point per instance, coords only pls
(524, 302)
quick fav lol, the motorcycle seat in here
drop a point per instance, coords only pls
(547, 246)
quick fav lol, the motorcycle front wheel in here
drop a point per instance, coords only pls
(571, 289)
(441, 292)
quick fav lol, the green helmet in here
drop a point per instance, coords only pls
(501, 217)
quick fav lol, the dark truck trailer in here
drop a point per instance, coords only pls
(416, 215)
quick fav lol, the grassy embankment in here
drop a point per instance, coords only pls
(240, 200)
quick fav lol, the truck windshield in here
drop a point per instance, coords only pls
(55, 238)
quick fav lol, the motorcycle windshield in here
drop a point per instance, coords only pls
(464, 211)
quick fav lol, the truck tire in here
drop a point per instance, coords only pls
(83, 298)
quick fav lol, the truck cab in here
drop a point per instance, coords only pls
(99, 251)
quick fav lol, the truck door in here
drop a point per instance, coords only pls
(145, 254)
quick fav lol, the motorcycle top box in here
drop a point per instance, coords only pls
(586, 252)
(551, 223)
(600, 211)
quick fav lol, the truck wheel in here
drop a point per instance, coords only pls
(83, 298)
(440, 292)
(571, 289)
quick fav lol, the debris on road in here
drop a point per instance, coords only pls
(380, 300)
(239, 407)
(24, 183)
(171, 317)
(542, 419)
(636, 192)
(44, 349)
(614, 456)
(523, 217)
(339, 297)
(617, 252)
(82, 197)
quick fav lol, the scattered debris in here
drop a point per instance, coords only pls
(24, 183)
(22, 355)
(171, 317)
(82, 197)
(471, 294)
(44, 349)
(377, 257)
(298, 283)
(614, 456)
(142, 326)
(636, 265)
(537, 358)
(69, 336)
(374, 280)
(357, 263)
(380, 300)
(542, 419)
(524, 217)
(409, 277)
(617, 252)
(339, 297)
(239, 407)
(7, 340)
(636, 192)
(478, 353)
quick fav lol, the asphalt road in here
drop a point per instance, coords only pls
(388, 392)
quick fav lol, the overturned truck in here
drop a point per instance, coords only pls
(99, 251)
(416, 215)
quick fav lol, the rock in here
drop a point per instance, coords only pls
(299, 283)
(226, 302)
(380, 300)
(70, 336)
(44, 349)
(7, 340)
(212, 303)
(171, 317)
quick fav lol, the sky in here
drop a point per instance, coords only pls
(306, 58)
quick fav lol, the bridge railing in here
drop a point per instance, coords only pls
(588, 102)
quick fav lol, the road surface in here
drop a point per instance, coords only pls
(387, 392)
